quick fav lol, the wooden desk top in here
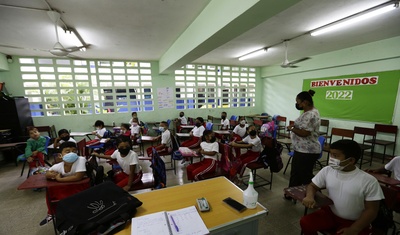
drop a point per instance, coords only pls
(187, 126)
(214, 190)
(183, 134)
(384, 179)
(147, 138)
(11, 145)
(223, 132)
(80, 133)
(40, 181)
(299, 193)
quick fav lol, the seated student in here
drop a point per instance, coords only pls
(63, 136)
(209, 149)
(135, 131)
(224, 126)
(180, 121)
(35, 149)
(128, 171)
(240, 130)
(355, 194)
(72, 168)
(125, 130)
(195, 134)
(392, 166)
(251, 141)
(98, 133)
(267, 128)
(134, 115)
(166, 144)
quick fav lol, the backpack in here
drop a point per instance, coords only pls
(102, 209)
(271, 156)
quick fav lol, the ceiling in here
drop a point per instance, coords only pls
(152, 30)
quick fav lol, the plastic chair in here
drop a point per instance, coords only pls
(22, 157)
(321, 141)
(281, 122)
(209, 126)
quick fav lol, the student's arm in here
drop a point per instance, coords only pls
(28, 148)
(241, 144)
(309, 200)
(56, 143)
(365, 219)
(101, 155)
(131, 175)
(41, 145)
(51, 175)
(209, 153)
(76, 177)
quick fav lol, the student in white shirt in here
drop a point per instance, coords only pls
(72, 168)
(127, 171)
(224, 126)
(180, 121)
(135, 131)
(165, 147)
(63, 136)
(209, 149)
(356, 195)
(195, 134)
(251, 141)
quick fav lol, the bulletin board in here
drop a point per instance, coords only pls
(165, 98)
(366, 97)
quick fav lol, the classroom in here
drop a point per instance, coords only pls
(195, 69)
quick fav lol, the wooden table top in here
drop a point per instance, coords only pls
(181, 196)
(384, 179)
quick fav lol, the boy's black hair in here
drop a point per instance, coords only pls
(165, 123)
(200, 119)
(349, 148)
(99, 123)
(67, 144)
(126, 125)
(133, 113)
(205, 133)
(62, 131)
(124, 139)
(224, 113)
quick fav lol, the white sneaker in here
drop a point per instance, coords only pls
(46, 220)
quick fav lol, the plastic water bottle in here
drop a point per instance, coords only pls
(250, 195)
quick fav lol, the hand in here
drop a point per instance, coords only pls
(94, 132)
(308, 202)
(289, 127)
(233, 144)
(126, 188)
(347, 231)
(58, 176)
(29, 159)
(52, 175)
(58, 139)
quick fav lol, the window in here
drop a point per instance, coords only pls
(63, 87)
(209, 86)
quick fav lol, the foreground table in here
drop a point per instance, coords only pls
(220, 220)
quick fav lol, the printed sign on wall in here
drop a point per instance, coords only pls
(366, 97)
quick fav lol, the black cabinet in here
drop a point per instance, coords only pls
(15, 114)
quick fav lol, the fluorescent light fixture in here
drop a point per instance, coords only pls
(354, 18)
(69, 36)
(254, 54)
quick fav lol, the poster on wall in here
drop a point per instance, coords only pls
(367, 97)
(165, 97)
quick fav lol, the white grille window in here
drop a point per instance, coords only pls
(209, 86)
(63, 87)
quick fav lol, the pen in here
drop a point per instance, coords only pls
(173, 221)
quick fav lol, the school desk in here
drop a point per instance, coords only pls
(14, 147)
(80, 134)
(384, 179)
(221, 219)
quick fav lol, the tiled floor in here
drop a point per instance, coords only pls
(23, 210)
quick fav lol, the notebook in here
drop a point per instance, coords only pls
(183, 221)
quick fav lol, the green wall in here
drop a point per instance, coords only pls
(13, 80)
(280, 86)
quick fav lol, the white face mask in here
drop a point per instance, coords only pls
(243, 122)
(335, 164)
(97, 128)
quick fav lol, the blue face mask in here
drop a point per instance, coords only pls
(161, 128)
(70, 157)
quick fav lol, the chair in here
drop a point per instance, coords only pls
(391, 132)
(338, 132)
(82, 151)
(223, 164)
(321, 140)
(324, 127)
(209, 126)
(22, 157)
(281, 122)
(364, 145)
(286, 133)
(258, 123)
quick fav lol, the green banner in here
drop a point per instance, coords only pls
(366, 97)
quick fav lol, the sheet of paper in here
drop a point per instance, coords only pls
(186, 221)
(152, 224)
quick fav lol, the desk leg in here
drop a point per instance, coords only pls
(52, 211)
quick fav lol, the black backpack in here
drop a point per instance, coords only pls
(271, 156)
(102, 209)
